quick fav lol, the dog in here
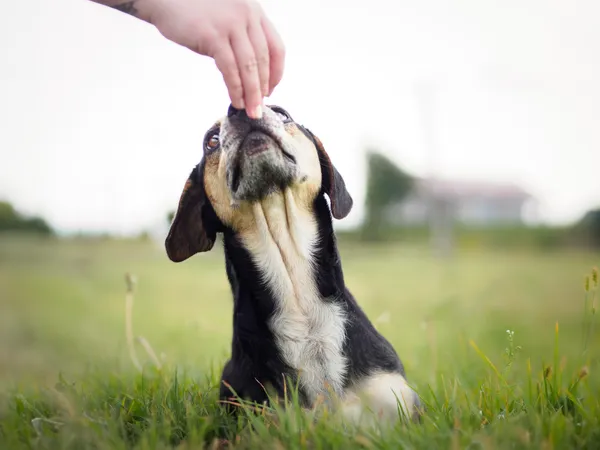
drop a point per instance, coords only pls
(263, 185)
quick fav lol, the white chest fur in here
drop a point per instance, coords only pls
(309, 331)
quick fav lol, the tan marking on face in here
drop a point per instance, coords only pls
(215, 186)
(307, 158)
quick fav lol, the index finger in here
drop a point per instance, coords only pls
(248, 69)
(227, 65)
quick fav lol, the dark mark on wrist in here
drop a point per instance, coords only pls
(126, 7)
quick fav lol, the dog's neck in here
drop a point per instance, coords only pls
(286, 241)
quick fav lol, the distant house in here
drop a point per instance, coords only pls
(464, 202)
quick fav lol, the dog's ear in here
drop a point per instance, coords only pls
(333, 184)
(195, 224)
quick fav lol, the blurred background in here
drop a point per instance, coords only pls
(467, 133)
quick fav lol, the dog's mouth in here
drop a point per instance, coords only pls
(258, 141)
(260, 165)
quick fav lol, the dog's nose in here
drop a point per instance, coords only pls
(240, 113)
(233, 111)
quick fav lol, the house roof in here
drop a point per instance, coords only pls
(464, 188)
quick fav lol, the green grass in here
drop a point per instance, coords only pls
(501, 345)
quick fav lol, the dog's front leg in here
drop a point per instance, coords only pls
(238, 385)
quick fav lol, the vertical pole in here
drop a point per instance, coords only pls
(439, 213)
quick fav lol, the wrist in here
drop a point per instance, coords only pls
(142, 9)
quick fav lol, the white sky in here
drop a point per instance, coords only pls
(101, 118)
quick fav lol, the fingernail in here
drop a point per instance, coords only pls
(256, 112)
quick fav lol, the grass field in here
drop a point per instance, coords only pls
(493, 341)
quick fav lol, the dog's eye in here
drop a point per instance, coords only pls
(283, 116)
(213, 142)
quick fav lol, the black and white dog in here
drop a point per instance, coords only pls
(262, 184)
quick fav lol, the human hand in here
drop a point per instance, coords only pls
(246, 48)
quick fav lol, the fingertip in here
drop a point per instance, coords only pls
(254, 101)
(255, 112)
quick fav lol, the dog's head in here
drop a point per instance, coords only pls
(245, 161)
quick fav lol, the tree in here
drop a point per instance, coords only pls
(170, 216)
(387, 184)
(12, 220)
(8, 216)
(588, 229)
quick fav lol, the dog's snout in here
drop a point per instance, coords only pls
(239, 113)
